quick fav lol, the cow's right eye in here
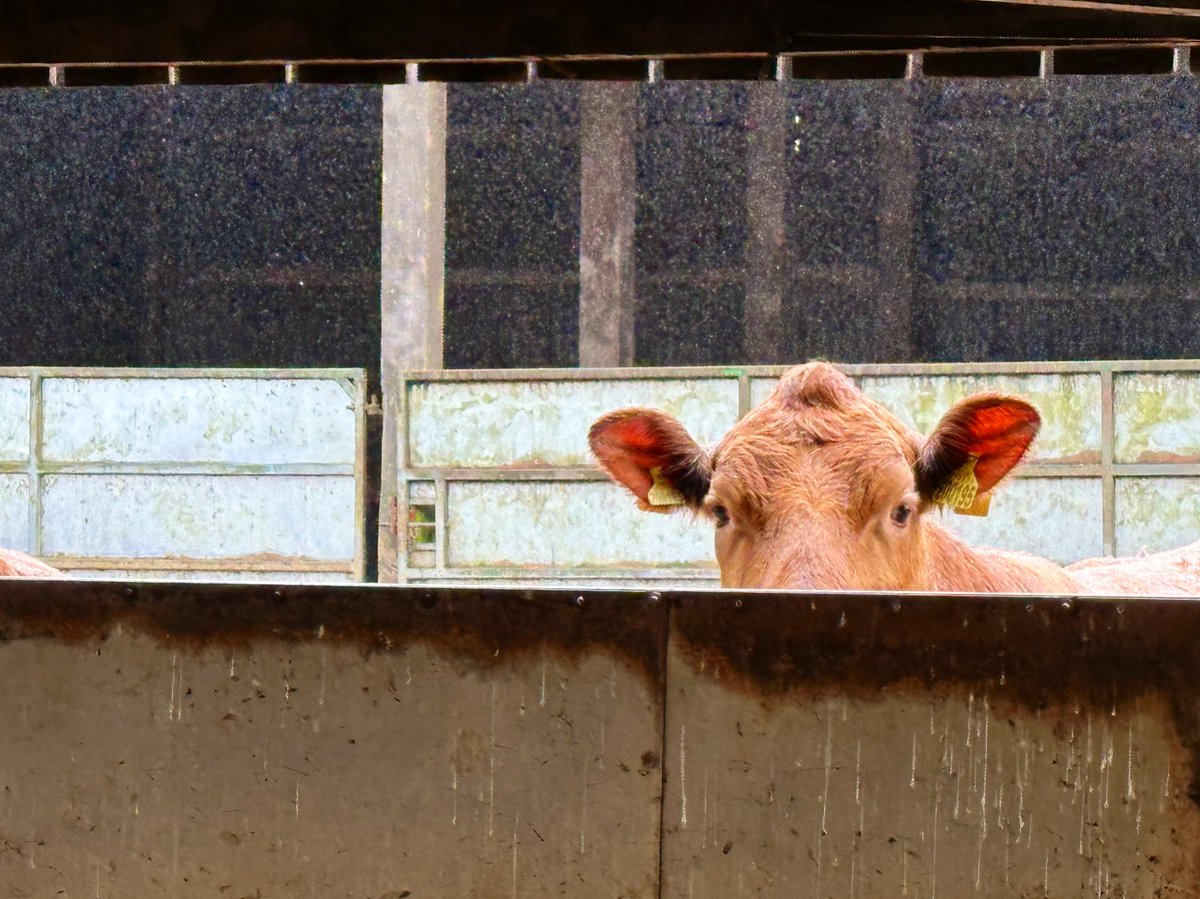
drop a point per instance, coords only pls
(720, 513)
(901, 514)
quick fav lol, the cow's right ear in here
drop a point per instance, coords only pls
(652, 455)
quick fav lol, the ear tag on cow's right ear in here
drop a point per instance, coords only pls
(960, 492)
(661, 493)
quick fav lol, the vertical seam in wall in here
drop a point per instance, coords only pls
(662, 755)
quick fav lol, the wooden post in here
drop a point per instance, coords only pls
(766, 188)
(412, 273)
(608, 116)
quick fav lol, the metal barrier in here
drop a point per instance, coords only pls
(494, 483)
(196, 740)
(211, 473)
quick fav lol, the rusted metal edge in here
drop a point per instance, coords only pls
(486, 628)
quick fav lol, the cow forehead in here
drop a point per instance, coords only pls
(816, 417)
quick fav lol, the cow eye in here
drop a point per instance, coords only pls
(901, 514)
(720, 513)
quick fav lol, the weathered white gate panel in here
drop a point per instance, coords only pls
(1058, 518)
(14, 420)
(544, 423)
(226, 473)
(1151, 513)
(1069, 403)
(1158, 417)
(259, 421)
(14, 511)
(552, 525)
(199, 516)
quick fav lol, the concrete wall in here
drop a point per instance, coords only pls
(199, 740)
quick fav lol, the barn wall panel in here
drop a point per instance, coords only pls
(188, 739)
(222, 741)
(841, 747)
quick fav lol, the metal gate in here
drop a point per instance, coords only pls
(200, 473)
(493, 482)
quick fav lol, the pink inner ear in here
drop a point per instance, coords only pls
(628, 445)
(999, 433)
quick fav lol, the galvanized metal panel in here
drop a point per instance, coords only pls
(183, 740)
(14, 419)
(539, 524)
(1157, 417)
(1155, 514)
(199, 516)
(1059, 518)
(254, 421)
(545, 423)
(864, 746)
(1069, 404)
(14, 511)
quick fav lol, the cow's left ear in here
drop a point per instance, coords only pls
(654, 456)
(974, 446)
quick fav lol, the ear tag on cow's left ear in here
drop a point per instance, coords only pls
(978, 508)
(661, 493)
(960, 492)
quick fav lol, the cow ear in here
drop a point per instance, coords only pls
(652, 455)
(974, 446)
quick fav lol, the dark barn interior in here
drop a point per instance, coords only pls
(964, 210)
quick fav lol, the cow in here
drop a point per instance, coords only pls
(17, 564)
(820, 487)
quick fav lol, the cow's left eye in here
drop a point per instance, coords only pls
(901, 514)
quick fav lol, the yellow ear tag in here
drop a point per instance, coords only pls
(662, 493)
(979, 508)
(960, 492)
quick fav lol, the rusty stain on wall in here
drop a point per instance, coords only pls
(487, 627)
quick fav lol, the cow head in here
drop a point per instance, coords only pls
(819, 486)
